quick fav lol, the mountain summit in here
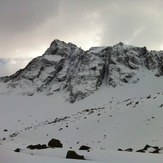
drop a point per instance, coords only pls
(64, 67)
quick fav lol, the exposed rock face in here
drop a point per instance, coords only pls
(78, 73)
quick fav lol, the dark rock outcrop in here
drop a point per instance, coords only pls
(38, 146)
(140, 150)
(154, 149)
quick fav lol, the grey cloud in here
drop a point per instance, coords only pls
(20, 20)
(29, 26)
(9, 66)
(21, 15)
(134, 22)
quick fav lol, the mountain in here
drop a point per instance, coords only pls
(78, 73)
(119, 116)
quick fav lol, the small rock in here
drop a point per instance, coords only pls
(17, 150)
(140, 150)
(161, 105)
(120, 149)
(128, 150)
(149, 97)
(84, 147)
(155, 151)
(38, 146)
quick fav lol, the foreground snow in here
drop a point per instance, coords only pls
(95, 156)
(111, 118)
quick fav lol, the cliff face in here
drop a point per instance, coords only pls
(78, 73)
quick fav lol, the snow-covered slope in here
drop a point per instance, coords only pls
(122, 111)
(78, 73)
(108, 120)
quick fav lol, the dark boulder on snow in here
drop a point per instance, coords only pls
(17, 150)
(149, 97)
(155, 151)
(146, 147)
(74, 155)
(150, 149)
(128, 150)
(84, 147)
(120, 149)
(140, 150)
(54, 143)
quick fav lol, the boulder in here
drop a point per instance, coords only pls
(128, 150)
(74, 155)
(120, 149)
(54, 143)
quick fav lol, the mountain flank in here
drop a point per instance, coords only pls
(66, 68)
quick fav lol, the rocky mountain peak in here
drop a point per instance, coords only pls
(66, 68)
(120, 44)
(61, 48)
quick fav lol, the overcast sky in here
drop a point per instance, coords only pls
(27, 27)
